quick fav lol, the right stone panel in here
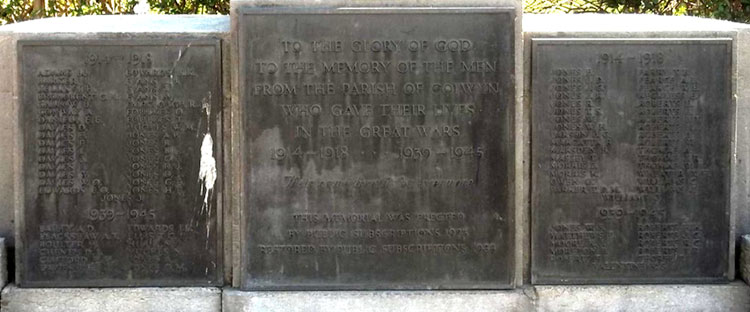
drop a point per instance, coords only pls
(631, 153)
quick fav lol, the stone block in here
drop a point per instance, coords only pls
(8, 131)
(652, 29)
(741, 161)
(16, 299)
(366, 176)
(372, 301)
(734, 297)
(183, 55)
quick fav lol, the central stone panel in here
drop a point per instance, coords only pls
(377, 148)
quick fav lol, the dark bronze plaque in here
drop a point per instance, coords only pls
(631, 151)
(377, 148)
(119, 170)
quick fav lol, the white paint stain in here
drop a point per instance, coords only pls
(207, 174)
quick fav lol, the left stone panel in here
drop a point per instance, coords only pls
(119, 166)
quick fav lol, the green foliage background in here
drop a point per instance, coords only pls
(19, 10)
(733, 10)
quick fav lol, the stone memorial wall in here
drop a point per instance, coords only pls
(373, 146)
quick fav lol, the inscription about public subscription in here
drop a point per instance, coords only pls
(114, 135)
(631, 160)
(379, 148)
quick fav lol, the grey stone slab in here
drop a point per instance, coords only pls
(121, 193)
(226, 223)
(340, 199)
(520, 170)
(651, 26)
(744, 263)
(8, 127)
(7, 135)
(184, 29)
(734, 297)
(635, 27)
(16, 299)
(631, 156)
(741, 165)
(411, 301)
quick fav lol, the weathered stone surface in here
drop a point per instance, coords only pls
(238, 197)
(745, 258)
(411, 301)
(340, 189)
(740, 165)
(140, 196)
(8, 118)
(16, 299)
(575, 209)
(734, 297)
(662, 298)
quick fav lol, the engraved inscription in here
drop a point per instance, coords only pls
(114, 134)
(377, 150)
(631, 148)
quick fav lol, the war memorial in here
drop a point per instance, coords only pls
(375, 155)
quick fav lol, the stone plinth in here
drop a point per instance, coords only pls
(734, 297)
(372, 301)
(16, 299)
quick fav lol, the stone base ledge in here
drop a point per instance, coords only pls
(14, 299)
(726, 298)
(678, 298)
(371, 301)
(616, 298)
